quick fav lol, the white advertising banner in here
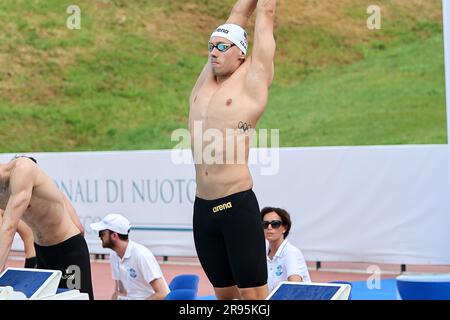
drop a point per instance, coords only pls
(374, 204)
(386, 204)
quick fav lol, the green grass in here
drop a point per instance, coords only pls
(123, 80)
(396, 96)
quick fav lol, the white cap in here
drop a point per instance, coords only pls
(234, 33)
(114, 222)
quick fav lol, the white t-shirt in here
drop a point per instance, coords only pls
(136, 270)
(287, 261)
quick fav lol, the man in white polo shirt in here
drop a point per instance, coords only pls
(133, 266)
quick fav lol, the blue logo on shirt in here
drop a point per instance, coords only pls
(132, 273)
(279, 271)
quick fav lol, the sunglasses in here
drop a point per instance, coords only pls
(222, 47)
(274, 223)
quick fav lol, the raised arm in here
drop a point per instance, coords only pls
(241, 12)
(201, 79)
(264, 42)
(21, 186)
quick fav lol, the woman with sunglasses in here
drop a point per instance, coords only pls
(284, 261)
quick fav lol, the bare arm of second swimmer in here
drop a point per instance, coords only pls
(21, 185)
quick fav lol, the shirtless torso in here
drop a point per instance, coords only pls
(47, 213)
(27, 193)
(227, 108)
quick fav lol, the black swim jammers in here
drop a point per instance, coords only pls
(229, 240)
(72, 258)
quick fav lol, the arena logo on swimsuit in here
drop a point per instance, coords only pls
(221, 207)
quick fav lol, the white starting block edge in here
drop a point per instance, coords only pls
(48, 288)
(8, 293)
(343, 293)
(68, 295)
(47, 291)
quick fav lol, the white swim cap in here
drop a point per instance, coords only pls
(234, 33)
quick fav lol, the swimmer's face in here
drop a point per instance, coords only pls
(224, 56)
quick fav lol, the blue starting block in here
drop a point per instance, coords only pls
(35, 284)
(287, 290)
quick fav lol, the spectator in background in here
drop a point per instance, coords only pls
(284, 261)
(134, 268)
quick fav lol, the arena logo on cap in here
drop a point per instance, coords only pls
(244, 42)
(222, 30)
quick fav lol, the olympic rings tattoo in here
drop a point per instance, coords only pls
(244, 126)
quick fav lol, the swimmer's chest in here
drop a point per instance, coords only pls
(221, 107)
